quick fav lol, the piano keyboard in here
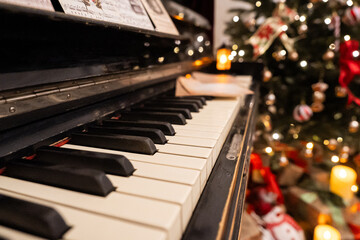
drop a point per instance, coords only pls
(157, 200)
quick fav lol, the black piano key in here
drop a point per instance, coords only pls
(174, 118)
(32, 218)
(78, 179)
(183, 111)
(109, 163)
(183, 100)
(191, 106)
(156, 135)
(165, 127)
(127, 143)
(202, 99)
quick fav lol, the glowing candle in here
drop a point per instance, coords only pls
(342, 178)
(326, 232)
(223, 62)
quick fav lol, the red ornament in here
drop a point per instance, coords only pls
(352, 16)
(349, 67)
(302, 113)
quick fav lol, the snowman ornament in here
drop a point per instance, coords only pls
(282, 226)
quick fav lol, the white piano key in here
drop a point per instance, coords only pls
(198, 164)
(153, 213)
(201, 134)
(85, 225)
(196, 127)
(171, 174)
(159, 172)
(171, 192)
(191, 141)
(12, 234)
(189, 151)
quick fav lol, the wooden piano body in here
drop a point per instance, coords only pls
(59, 74)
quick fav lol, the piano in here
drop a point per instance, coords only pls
(95, 145)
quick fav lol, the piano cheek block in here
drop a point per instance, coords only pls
(32, 218)
(109, 163)
(78, 179)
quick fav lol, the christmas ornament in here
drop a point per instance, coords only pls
(332, 144)
(284, 12)
(267, 33)
(294, 56)
(282, 226)
(272, 109)
(283, 160)
(267, 76)
(266, 121)
(279, 55)
(340, 92)
(353, 126)
(302, 29)
(328, 55)
(318, 96)
(320, 86)
(349, 68)
(302, 113)
(317, 107)
(335, 26)
(352, 16)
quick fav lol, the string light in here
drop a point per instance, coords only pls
(234, 53)
(207, 43)
(161, 59)
(303, 63)
(235, 47)
(231, 57)
(236, 18)
(335, 159)
(258, 3)
(284, 28)
(241, 53)
(354, 188)
(325, 1)
(276, 136)
(349, 3)
(200, 38)
(190, 52)
(347, 37)
(283, 52)
(327, 21)
(268, 150)
(176, 50)
(310, 5)
(332, 46)
(355, 53)
(326, 142)
(302, 18)
(201, 49)
(340, 139)
(310, 145)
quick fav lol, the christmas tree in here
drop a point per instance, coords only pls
(310, 96)
(299, 43)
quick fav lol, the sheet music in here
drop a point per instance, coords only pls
(38, 4)
(127, 12)
(160, 17)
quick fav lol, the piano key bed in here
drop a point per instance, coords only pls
(137, 174)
